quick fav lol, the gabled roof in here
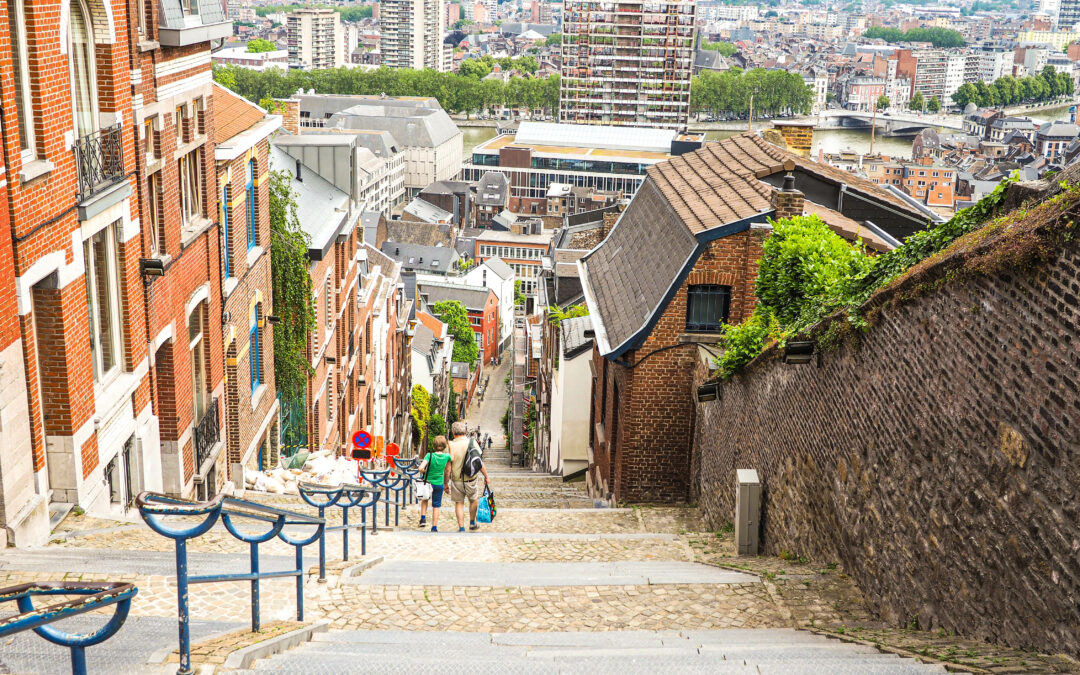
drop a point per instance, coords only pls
(428, 212)
(473, 297)
(437, 259)
(500, 268)
(233, 114)
(577, 335)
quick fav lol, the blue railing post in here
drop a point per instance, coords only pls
(254, 586)
(345, 532)
(300, 583)
(182, 615)
(78, 661)
(322, 550)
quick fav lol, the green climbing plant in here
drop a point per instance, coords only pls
(421, 415)
(291, 286)
(456, 318)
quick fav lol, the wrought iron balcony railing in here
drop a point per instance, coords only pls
(100, 160)
(207, 433)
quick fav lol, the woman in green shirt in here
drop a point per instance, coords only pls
(435, 473)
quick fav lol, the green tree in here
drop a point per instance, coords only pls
(456, 318)
(259, 45)
(939, 37)
(556, 315)
(553, 40)
(917, 101)
(291, 286)
(436, 426)
(725, 48)
(967, 93)
(882, 102)
(451, 408)
(934, 105)
(463, 23)
(421, 414)
(519, 295)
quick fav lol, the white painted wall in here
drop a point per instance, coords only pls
(568, 451)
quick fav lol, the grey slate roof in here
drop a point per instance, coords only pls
(491, 189)
(630, 273)
(322, 209)
(577, 335)
(437, 259)
(415, 232)
(428, 212)
(499, 267)
(410, 123)
(473, 297)
(369, 221)
(459, 370)
(422, 339)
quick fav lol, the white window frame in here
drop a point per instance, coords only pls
(92, 68)
(190, 195)
(196, 343)
(19, 45)
(112, 289)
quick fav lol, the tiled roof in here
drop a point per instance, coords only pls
(233, 114)
(473, 297)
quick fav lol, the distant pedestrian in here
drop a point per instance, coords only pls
(435, 474)
(465, 470)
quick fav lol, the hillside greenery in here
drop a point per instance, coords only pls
(939, 37)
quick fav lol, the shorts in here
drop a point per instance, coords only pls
(462, 490)
(436, 496)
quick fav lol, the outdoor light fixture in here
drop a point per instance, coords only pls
(710, 391)
(273, 319)
(152, 267)
(801, 351)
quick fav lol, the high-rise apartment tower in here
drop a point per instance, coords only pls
(411, 33)
(627, 62)
(315, 39)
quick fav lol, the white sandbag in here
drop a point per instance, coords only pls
(260, 482)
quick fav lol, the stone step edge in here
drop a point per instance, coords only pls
(244, 657)
(898, 651)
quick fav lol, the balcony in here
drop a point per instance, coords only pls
(189, 22)
(99, 158)
(207, 434)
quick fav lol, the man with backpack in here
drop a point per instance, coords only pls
(466, 468)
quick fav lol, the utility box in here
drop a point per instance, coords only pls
(747, 511)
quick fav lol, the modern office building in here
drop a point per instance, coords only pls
(627, 63)
(315, 39)
(606, 159)
(411, 33)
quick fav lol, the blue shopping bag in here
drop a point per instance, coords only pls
(485, 510)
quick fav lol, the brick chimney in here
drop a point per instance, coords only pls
(799, 136)
(787, 201)
(609, 222)
(290, 113)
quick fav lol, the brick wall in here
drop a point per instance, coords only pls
(646, 411)
(937, 461)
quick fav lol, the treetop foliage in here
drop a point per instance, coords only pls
(939, 37)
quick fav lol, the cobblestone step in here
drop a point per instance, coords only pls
(621, 652)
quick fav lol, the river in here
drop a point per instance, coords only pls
(829, 140)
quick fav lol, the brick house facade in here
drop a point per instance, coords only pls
(679, 264)
(90, 93)
(250, 405)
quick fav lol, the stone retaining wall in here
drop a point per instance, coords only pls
(938, 460)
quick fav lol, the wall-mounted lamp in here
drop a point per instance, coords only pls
(801, 351)
(710, 391)
(273, 319)
(152, 267)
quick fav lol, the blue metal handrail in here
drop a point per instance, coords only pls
(388, 480)
(98, 595)
(155, 507)
(345, 497)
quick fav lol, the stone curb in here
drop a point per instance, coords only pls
(888, 649)
(161, 656)
(350, 575)
(243, 658)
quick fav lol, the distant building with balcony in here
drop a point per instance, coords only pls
(627, 63)
(240, 56)
(411, 34)
(314, 38)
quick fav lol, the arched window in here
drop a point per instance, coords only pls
(82, 68)
(249, 186)
(255, 346)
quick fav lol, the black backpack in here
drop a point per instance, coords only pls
(473, 462)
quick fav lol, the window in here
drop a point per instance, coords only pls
(190, 185)
(82, 69)
(225, 271)
(330, 397)
(103, 301)
(153, 214)
(148, 138)
(707, 307)
(179, 124)
(249, 187)
(199, 395)
(191, 7)
(328, 304)
(255, 346)
(21, 67)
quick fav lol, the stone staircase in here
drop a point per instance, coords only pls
(624, 653)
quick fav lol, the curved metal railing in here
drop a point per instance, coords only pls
(156, 508)
(345, 497)
(97, 595)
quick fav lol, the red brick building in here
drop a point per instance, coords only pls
(680, 262)
(480, 303)
(109, 143)
(250, 405)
